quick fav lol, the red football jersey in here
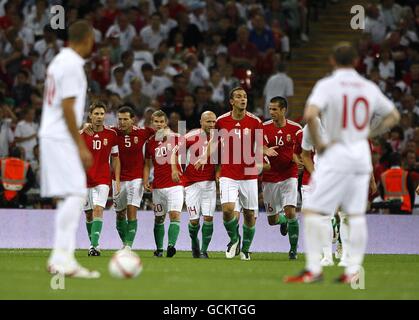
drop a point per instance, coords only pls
(288, 141)
(238, 140)
(131, 152)
(161, 152)
(196, 142)
(101, 145)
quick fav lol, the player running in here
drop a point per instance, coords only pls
(167, 194)
(280, 182)
(102, 144)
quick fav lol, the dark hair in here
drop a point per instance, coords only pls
(147, 67)
(118, 69)
(15, 152)
(127, 109)
(395, 159)
(79, 31)
(158, 57)
(234, 90)
(282, 102)
(126, 54)
(97, 104)
(344, 54)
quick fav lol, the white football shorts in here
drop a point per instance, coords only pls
(131, 194)
(62, 172)
(244, 190)
(167, 199)
(200, 199)
(96, 196)
(277, 195)
(331, 190)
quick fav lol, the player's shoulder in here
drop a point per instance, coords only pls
(253, 117)
(268, 123)
(224, 116)
(296, 125)
(110, 130)
(193, 133)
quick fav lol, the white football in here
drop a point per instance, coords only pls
(125, 264)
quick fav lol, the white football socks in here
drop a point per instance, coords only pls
(327, 249)
(316, 235)
(357, 243)
(344, 234)
(66, 223)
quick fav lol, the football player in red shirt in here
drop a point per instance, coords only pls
(200, 188)
(280, 182)
(240, 137)
(167, 194)
(131, 140)
(102, 144)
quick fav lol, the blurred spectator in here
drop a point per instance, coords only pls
(199, 75)
(26, 133)
(154, 33)
(374, 24)
(139, 100)
(36, 17)
(386, 65)
(153, 86)
(125, 29)
(146, 119)
(192, 37)
(174, 119)
(49, 45)
(279, 84)
(22, 89)
(127, 63)
(6, 132)
(141, 54)
(16, 178)
(119, 86)
(391, 13)
(189, 112)
(166, 21)
(197, 15)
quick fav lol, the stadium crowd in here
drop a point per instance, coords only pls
(184, 57)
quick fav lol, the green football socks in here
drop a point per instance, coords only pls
(193, 233)
(96, 230)
(293, 231)
(232, 229)
(131, 232)
(248, 234)
(174, 229)
(159, 235)
(121, 227)
(207, 230)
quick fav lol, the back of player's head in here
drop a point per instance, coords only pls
(159, 114)
(344, 54)
(281, 101)
(97, 104)
(79, 31)
(395, 159)
(234, 90)
(15, 152)
(127, 109)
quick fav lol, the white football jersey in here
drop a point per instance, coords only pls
(65, 78)
(347, 102)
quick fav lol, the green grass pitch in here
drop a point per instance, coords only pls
(23, 276)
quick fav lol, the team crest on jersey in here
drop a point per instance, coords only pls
(105, 142)
(135, 140)
(246, 131)
(288, 137)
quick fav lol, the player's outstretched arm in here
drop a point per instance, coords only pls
(70, 120)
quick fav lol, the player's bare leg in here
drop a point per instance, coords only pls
(174, 229)
(293, 230)
(132, 225)
(248, 233)
(193, 233)
(315, 238)
(231, 224)
(122, 225)
(207, 231)
(96, 230)
(159, 234)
